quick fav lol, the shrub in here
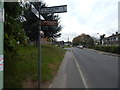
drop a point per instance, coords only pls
(112, 49)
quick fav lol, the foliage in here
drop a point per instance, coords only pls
(13, 32)
(31, 25)
(101, 37)
(112, 49)
(84, 40)
(21, 67)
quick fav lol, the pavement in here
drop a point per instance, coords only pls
(65, 78)
(85, 68)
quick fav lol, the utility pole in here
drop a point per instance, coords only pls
(1, 42)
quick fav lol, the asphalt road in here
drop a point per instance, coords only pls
(83, 68)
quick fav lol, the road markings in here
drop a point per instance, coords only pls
(50, 85)
(80, 72)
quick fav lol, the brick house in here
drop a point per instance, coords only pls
(114, 39)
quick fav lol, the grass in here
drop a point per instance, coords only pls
(67, 46)
(24, 65)
(51, 59)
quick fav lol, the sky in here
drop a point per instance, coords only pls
(87, 16)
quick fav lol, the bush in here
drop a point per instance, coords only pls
(112, 49)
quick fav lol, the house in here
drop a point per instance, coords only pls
(68, 43)
(114, 39)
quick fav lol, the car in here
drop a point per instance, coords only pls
(80, 46)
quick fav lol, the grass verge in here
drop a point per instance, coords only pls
(24, 65)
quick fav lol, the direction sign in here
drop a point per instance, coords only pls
(34, 10)
(49, 23)
(55, 9)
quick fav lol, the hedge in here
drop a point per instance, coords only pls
(111, 49)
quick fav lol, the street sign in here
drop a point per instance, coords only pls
(45, 10)
(49, 23)
(1, 62)
(55, 9)
(34, 10)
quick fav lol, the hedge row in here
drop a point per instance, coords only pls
(111, 49)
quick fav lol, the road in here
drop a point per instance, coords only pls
(83, 68)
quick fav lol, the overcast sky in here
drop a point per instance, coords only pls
(87, 16)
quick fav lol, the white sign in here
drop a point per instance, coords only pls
(34, 10)
(55, 9)
(1, 15)
(1, 62)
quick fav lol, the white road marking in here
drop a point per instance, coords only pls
(80, 72)
(50, 85)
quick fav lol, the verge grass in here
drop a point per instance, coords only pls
(24, 65)
(51, 60)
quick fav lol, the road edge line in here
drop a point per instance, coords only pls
(80, 71)
(50, 85)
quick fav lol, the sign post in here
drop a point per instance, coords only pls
(37, 14)
(1, 43)
(46, 10)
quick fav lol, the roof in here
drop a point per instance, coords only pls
(112, 36)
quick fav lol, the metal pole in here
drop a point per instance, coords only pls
(39, 51)
(1, 44)
(99, 41)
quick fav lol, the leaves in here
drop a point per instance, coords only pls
(31, 25)
(13, 32)
(84, 40)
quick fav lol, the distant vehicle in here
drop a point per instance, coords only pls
(80, 46)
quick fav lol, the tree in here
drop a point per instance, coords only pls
(32, 22)
(13, 32)
(101, 37)
(96, 40)
(83, 39)
(76, 41)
